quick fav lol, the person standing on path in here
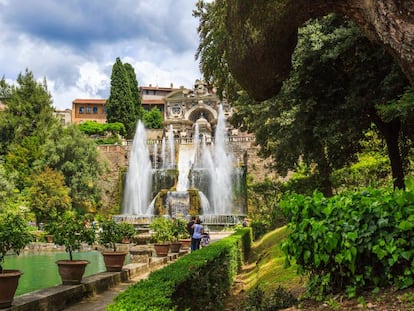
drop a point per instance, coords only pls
(197, 235)
(189, 226)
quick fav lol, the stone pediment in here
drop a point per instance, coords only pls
(178, 94)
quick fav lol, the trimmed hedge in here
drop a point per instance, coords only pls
(197, 281)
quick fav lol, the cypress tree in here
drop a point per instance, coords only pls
(134, 91)
(120, 105)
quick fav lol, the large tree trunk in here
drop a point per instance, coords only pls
(325, 172)
(391, 132)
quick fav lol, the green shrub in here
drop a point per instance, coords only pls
(352, 241)
(113, 232)
(95, 128)
(153, 118)
(371, 170)
(162, 228)
(69, 230)
(14, 234)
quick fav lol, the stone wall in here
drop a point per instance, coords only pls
(115, 157)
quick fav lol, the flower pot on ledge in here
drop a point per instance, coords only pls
(114, 261)
(69, 230)
(175, 247)
(71, 271)
(9, 280)
(185, 243)
(162, 249)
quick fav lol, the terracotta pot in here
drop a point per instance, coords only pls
(114, 261)
(9, 280)
(175, 247)
(185, 243)
(71, 271)
(162, 249)
(49, 238)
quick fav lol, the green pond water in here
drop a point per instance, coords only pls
(40, 269)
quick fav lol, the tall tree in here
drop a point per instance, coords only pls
(121, 105)
(73, 154)
(25, 126)
(29, 112)
(133, 84)
(327, 103)
(211, 51)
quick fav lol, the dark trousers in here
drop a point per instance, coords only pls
(195, 244)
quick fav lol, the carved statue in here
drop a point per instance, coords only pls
(200, 88)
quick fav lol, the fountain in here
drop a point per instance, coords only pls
(204, 181)
(139, 177)
(171, 144)
(219, 164)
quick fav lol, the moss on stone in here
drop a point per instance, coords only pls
(195, 202)
(159, 202)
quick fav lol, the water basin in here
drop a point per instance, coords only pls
(40, 269)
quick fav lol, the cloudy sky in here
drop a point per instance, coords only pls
(74, 43)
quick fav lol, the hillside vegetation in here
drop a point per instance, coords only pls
(266, 284)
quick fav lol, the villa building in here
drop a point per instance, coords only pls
(65, 116)
(153, 96)
(88, 110)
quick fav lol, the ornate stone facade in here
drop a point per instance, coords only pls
(184, 108)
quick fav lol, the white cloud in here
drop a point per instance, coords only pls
(158, 38)
(92, 79)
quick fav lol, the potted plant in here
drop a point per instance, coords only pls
(71, 230)
(162, 235)
(112, 233)
(128, 232)
(179, 231)
(14, 236)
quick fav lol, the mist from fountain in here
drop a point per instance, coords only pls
(196, 141)
(171, 145)
(154, 155)
(139, 176)
(185, 162)
(219, 163)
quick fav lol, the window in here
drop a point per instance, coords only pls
(95, 110)
(88, 109)
(81, 109)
